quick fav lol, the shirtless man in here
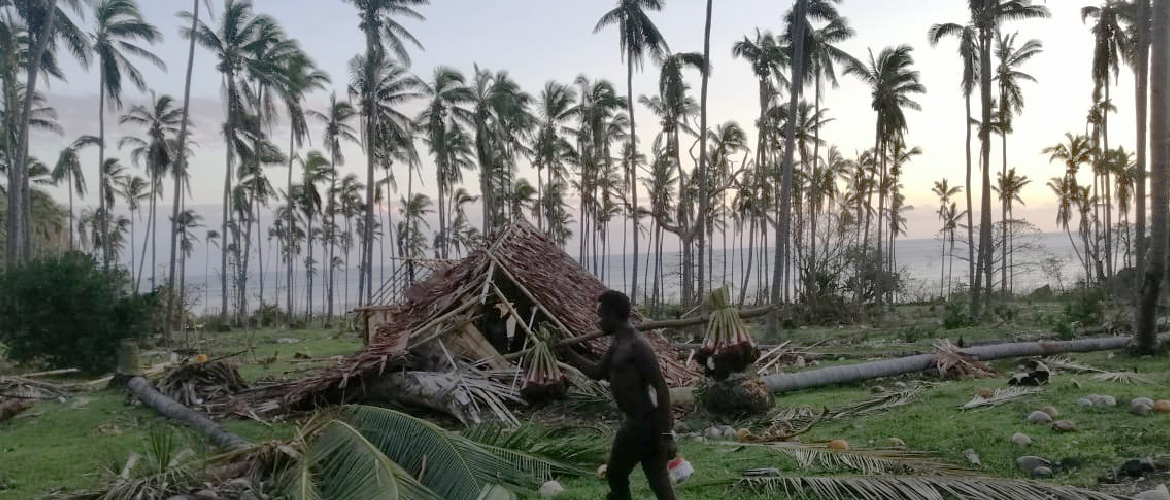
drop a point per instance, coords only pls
(640, 391)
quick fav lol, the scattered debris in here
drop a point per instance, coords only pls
(1021, 439)
(1033, 379)
(1141, 409)
(738, 394)
(1028, 463)
(838, 444)
(973, 457)
(551, 489)
(1102, 400)
(896, 443)
(1159, 493)
(1064, 426)
(1136, 467)
(1162, 406)
(902, 395)
(289, 340)
(11, 407)
(1051, 411)
(193, 384)
(26, 388)
(1039, 417)
(1142, 401)
(998, 397)
(1042, 472)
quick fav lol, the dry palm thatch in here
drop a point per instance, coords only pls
(533, 281)
(1000, 396)
(915, 488)
(885, 400)
(195, 383)
(951, 362)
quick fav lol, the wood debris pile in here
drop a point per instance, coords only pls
(195, 383)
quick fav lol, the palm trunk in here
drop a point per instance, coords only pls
(146, 239)
(174, 410)
(785, 223)
(970, 215)
(844, 374)
(227, 192)
(287, 254)
(1108, 196)
(1160, 172)
(1141, 85)
(180, 169)
(19, 208)
(632, 165)
(983, 264)
(105, 215)
(332, 242)
(69, 179)
(309, 269)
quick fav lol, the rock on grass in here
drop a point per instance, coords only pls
(1039, 417)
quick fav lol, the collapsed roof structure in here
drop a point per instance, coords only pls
(454, 341)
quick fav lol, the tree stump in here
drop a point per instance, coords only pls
(128, 364)
(740, 394)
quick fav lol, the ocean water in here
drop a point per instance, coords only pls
(1042, 259)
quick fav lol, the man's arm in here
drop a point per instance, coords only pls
(656, 385)
(595, 371)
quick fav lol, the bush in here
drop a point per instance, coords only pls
(956, 316)
(1086, 307)
(65, 311)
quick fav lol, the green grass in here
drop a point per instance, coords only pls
(56, 446)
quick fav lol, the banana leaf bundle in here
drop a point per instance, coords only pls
(728, 347)
(543, 379)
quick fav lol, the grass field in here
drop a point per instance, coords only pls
(60, 446)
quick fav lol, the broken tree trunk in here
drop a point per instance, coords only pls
(467, 398)
(171, 409)
(128, 365)
(843, 374)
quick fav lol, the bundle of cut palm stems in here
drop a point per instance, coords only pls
(543, 379)
(728, 347)
(195, 383)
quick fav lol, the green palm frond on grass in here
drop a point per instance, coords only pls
(451, 465)
(1001, 396)
(914, 488)
(577, 452)
(885, 400)
(341, 463)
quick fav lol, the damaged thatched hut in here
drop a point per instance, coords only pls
(447, 344)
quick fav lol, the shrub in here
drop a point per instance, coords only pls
(956, 316)
(64, 310)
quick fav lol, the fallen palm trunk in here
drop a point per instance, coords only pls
(785, 382)
(171, 409)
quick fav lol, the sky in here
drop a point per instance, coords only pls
(541, 40)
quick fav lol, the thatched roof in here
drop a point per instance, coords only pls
(539, 284)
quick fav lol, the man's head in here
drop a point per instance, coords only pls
(614, 309)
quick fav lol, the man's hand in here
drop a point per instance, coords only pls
(669, 445)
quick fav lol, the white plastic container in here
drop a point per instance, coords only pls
(680, 469)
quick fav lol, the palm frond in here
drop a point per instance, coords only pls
(353, 467)
(1123, 378)
(576, 452)
(885, 400)
(915, 488)
(449, 464)
(1001, 396)
(1067, 363)
(863, 461)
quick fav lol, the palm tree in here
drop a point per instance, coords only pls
(445, 92)
(134, 191)
(300, 77)
(1147, 340)
(161, 120)
(377, 21)
(892, 82)
(1138, 59)
(210, 238)
(1076, 151)
(1009, 187)
(1011, 101)
(638, 37)
(68, 170)
(188, 221)
(968, 36)
(118, 26)
(502, 121)
(987, 16)
(316, 170)
(413, 212)
(43, 26)
(337, 119)
(238, 28)
(550, 148)
(944, 191)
